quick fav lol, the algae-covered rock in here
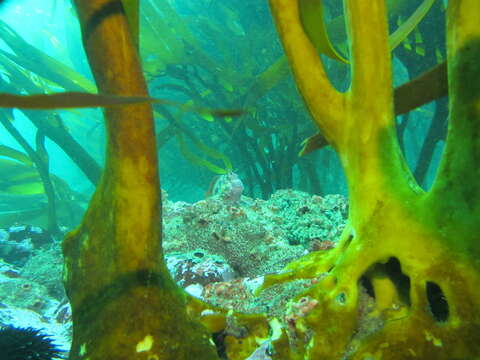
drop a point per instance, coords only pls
(255, 237)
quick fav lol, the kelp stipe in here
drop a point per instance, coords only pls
(132, 309)
(413, 252)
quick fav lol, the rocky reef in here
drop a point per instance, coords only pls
(218, 249)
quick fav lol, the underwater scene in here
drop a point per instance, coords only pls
(239, 180)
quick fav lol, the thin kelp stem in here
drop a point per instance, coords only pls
(41, 163)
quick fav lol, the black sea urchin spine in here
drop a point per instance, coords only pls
(27, 344)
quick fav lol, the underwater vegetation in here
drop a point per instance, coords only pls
(403, 281)
(418, 264)
(28, 70)
(261, 144)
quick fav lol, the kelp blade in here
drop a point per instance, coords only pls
(311, 12)
(74, 99)
(12, 153)
(194, 159)
(311, 15)
(38, 62)
(67, 100)
(132, 11)
(408, 26)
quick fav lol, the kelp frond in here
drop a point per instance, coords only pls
(72, 99)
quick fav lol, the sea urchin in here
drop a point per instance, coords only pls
(26, 344)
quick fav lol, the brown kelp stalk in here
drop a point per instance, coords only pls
(124, 303)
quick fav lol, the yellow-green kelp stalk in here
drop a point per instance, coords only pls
(416, 252)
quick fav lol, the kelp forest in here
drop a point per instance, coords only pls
(197, 53)
(239, 180)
